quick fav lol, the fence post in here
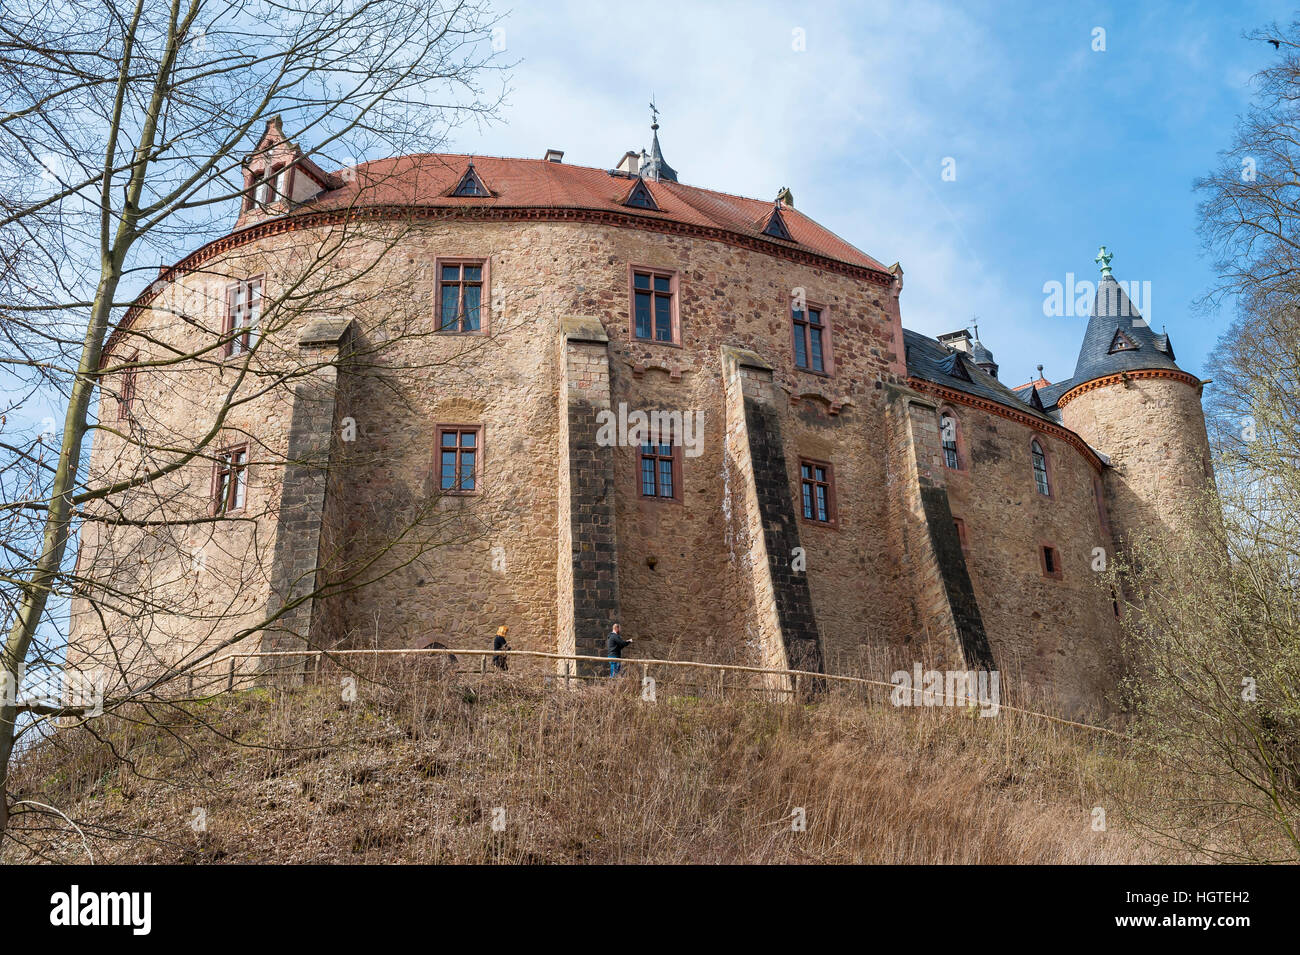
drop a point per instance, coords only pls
(482, 664)
(796, 687)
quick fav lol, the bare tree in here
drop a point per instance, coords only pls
(1252, 199)
(124, 142)
(1215, 630)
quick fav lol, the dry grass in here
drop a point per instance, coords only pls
(414, 769)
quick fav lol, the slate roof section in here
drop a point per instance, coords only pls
(930, 360)
(1029, 395)
(1113, 313)
(426, 179)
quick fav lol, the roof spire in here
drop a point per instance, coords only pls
(1118, 338)
(982, 357)
(1104, 258)
(654, 167)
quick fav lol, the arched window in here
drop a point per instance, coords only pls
(948, 436)
(1040, 469)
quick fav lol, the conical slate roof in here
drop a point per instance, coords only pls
(655, 167)
(1118, 338)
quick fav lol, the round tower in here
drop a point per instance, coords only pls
(1130, 401)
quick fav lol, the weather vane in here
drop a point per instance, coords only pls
(1104, 257)
(654, 112)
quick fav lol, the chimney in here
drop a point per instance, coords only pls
(630, 163)
(554, 155)
(958, 341)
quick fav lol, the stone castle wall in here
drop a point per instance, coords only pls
(1059, 635)
(1153, 429)
(559, 542)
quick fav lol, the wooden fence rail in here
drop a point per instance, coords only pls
(796, 677)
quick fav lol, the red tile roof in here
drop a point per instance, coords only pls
(1040, 384)
(523, 185)
(427, 179)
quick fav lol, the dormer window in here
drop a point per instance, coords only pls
(470, 185)
(640, 197)
(1122, 342)
(272, 170)
(267, 186)
(954, 367)
(775, 226)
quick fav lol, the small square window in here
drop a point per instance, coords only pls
(960, 526)
(1051, 560)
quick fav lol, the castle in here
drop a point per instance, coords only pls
(557, 397)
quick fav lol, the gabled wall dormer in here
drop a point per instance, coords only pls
(278, 176)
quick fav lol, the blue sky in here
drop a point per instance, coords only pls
(1057, 148)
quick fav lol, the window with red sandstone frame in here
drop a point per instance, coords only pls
(230, 480)
(459, 458)
(655, 316)
(243, 314)
(811, 338)
(661, 468)
(817, 491)
(460, 295)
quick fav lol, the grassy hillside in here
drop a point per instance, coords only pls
(415, 768)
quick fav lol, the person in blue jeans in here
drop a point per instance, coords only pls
(614, 645)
